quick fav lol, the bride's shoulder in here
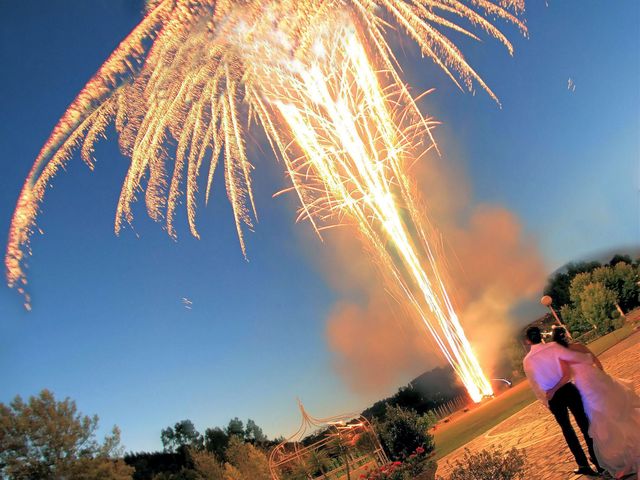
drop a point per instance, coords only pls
(579, 347)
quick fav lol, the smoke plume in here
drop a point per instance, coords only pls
(493, 267)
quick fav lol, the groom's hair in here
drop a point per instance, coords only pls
(534, 335)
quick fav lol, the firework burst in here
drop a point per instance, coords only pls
(322, 81)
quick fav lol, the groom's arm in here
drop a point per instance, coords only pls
(539, 392)
(566, 377)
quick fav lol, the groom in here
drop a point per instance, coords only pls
(543, 369)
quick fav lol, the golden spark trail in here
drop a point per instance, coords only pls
(352, 152)
(321, 79)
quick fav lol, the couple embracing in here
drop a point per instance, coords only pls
(567, 377)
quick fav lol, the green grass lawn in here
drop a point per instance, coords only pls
(602, 344)
(449, 437)
(475, 422)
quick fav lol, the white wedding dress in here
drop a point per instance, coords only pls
(613, 409)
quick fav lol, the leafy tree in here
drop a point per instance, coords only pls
(403, 431)
(629, 296)
(378, 410)
(559, 284)
(235, 427)
(216, 441)
(558, 288)
(597, 305)
(207, 465)
(617, 258)
(182, 435)
(575, 321)
(578, 284)
(606, 275)
(248, 460)
(575, 268)
(622, 279)
(253, 433)
(315, 463)
(47, 439)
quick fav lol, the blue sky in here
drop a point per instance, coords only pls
(109, 328)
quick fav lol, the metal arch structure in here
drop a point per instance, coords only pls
(350, 439)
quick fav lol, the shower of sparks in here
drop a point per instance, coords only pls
(322, 81)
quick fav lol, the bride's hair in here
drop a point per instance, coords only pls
(560, 336)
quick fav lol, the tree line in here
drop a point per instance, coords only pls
(592, 297)
(46, 439)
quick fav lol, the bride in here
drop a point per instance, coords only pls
(611, 405)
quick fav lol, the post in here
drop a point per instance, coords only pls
(547, 301)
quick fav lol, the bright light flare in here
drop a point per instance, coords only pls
(352, 167)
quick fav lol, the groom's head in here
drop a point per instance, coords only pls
(534, 336)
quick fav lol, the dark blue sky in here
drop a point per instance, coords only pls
(109, 327)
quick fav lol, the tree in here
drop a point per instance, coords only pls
(626, 285)
(248, 460)
(606, 275)
(403, 431)
(559, 284)
(578, 284)
(207, 465)
(216, 441)
(182, 435)
(318, 462)
(597, 305)
(235, 427)
(575, 321)
(558, 288)
(47, 439)
(620, 279)
(253, 433)
(617, 258)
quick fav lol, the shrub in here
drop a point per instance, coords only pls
(417, 465)
(403, 431)
(492, 464)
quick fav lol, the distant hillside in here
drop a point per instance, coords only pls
(425, 392)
